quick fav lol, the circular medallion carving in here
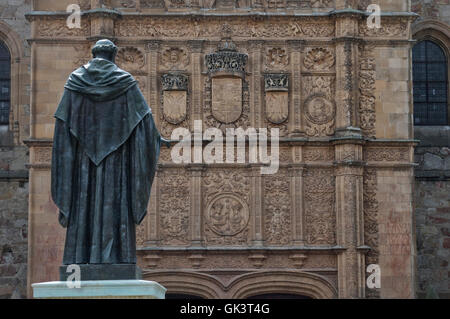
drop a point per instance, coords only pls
(319, 110)
(227, 215)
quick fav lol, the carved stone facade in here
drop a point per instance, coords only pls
(310, 68)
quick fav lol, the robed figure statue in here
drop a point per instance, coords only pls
(105, 151)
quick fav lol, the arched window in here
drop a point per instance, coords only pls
(5, 83)
(430, 81)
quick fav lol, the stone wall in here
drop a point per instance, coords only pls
(14, 30)
(432, 187)
(432, 9)
(432, 210)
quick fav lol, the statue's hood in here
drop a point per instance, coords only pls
(100, 80)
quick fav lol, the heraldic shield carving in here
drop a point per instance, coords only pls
(227, 99)
(227, 70)
(277, 97)
(174, 97)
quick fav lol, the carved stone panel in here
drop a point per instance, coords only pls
(227, 215)
(174, 106)
(174, 97)
(319, 106)
(276, 59)
(226, 202)
(174, 207)
(131, 59)
(174, 58)
(367, 79)
(277, 106)
(277, 97)
(320, 207)
(227, 99)
(318, 59)
(320, 113)
(277, 203)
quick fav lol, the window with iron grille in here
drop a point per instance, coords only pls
(430, 82)
(5, 83)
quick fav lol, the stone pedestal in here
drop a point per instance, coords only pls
(95, 272)
(100, 289)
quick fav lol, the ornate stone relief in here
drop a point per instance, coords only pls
(84, 4)
(152, 4)
(387, 154)
(142, 82)
(175, 102)
(322, 3)
(42, 155)
(180, 27)
(319, 110)
(227, 215)
(371, 222)
(123, 3)
(314, 154)
(367, 78)
(277, 99)
(277, 203)
(174, 59)
(174, 106)
(140, 234)
(276, 59)
(227, 60)
(83, 55)
(390, 27)
(318, 59)
(174, 206)
(320, 206)
(57, 28)
(226, 199)
(131, 59)
(211, 120)
(226, 89)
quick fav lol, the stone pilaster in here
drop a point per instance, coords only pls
(295, 112)
(297, 199)
(152, 49)
(196, 173)
(350, 218)
(102, 18)
(152, 220)
(257, 205)
(257, 112)
(196, 47)
(346, 71)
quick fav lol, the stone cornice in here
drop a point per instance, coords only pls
(31, 142)
(209, 13)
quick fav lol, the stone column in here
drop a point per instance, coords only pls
(295, 113)
(152, 220)
(350, 218)
(196, 47)
(257, 112)
(298, 223)
(257, 205)
(346, 72)
(152, 49)
(102, 20)
(196, 204)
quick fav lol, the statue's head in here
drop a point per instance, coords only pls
(105, 49)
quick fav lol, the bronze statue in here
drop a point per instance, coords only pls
(105, 151)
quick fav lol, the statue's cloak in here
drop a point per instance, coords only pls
(105, 151)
